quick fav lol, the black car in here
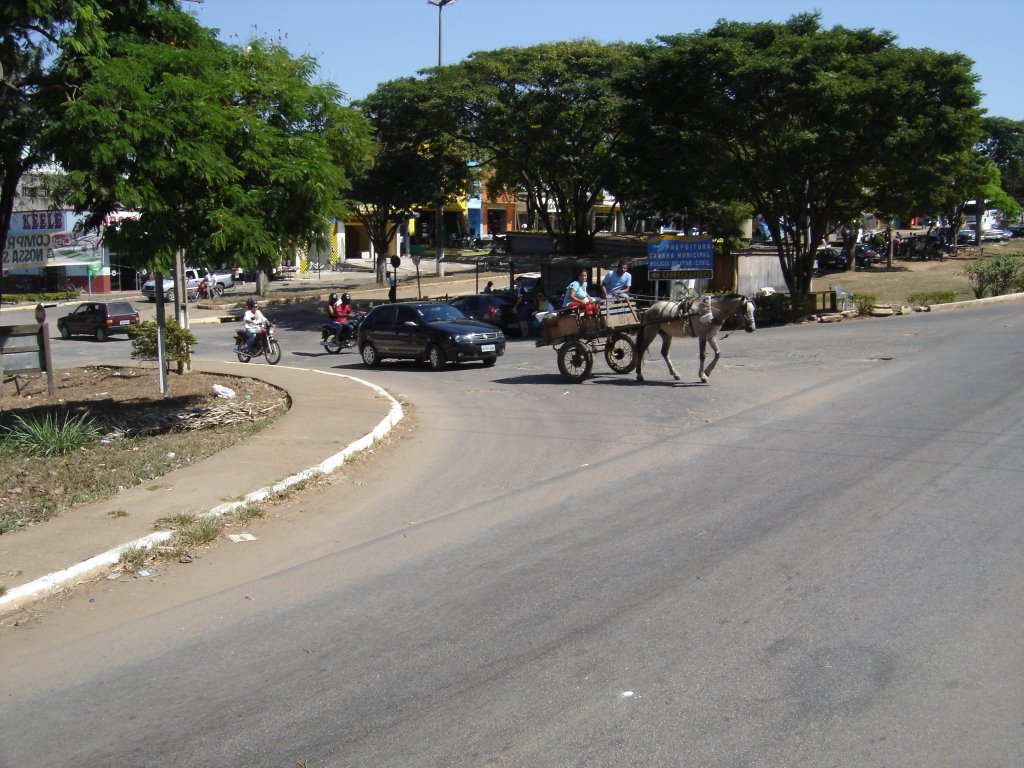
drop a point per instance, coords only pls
(491, 308)
(830, 258)
(98, 319)
(434, 332)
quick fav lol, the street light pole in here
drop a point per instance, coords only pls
(439, 217)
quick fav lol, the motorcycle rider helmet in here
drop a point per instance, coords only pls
(332, 299)
(250, 303)
(345, 298)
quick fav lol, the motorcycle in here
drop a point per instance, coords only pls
(329, 338)
(264, 344)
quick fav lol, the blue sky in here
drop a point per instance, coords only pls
(360, 43)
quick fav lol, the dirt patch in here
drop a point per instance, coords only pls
(145, 434)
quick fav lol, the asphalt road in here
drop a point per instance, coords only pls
(812, 561)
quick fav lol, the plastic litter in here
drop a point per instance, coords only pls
(221, 391)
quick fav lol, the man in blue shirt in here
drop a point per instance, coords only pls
(616, 284)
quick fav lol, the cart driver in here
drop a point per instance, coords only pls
(616, 284)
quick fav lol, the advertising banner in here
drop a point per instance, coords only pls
(48, 239)
(671, 257)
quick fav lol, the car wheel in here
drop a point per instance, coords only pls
(169, 296)
(101, 334)
(369, 354)
(65, 332)
(435, 358)
(489, 362)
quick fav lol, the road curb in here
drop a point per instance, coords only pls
(18, 597)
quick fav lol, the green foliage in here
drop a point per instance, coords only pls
(546, 118)
(42, 298)
(50, 434)
(863, 301)
(926, 298)
(783, 116)
(178, 342)
(998, 275)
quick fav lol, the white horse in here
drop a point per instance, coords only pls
(702, 317)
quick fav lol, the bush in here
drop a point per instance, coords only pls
(998, 275)
(863, 301)
(178, 342)
(924, 298)
(41, 298)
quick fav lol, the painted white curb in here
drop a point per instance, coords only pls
(53, 582)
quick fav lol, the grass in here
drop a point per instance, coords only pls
(897, 284)
(50, 434)
(31, 493)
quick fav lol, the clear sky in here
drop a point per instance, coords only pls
(360, 43)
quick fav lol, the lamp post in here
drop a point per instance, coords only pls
(439, 218)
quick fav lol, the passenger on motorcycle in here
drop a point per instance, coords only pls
(252, 321)
(339, 314)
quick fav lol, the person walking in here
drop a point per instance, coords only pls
(522, 308)
(392, 287)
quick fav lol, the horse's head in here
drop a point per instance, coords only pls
(747, 309)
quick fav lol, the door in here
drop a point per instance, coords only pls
(410, 332)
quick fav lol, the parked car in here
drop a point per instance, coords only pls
(98, 319)
(434, 332)
(225, 280)
(829, 259)
(995, 235)
(865, 256)
(492, 308)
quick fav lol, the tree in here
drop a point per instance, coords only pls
(1003, 144)
(546, 115)
(415, 162)
(809, 126)
(42, 47)
(225, 151)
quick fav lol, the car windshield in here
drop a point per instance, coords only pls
(121, 308)
(440, 313)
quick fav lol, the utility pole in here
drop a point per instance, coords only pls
(439, 217)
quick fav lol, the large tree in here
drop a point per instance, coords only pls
(225, 151)
(808, 125)
(1003, 144)
(43, 44)
(416, 162)
(546, 116)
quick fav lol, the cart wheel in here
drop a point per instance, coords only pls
(620, 353)
(575, 361)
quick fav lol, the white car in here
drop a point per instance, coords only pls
(995, 235)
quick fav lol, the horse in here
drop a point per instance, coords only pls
(702, 317)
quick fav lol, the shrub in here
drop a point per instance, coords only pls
(998, 275)
(863, 301)
(178, 342)
(923, 298)
(49, 435)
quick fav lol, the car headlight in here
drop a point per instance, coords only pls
(462, 339)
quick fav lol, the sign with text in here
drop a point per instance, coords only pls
(680, 258)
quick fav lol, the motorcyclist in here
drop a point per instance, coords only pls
(252, 321)
(339, 313)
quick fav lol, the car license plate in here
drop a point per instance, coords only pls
(486, 347)
(125, 322)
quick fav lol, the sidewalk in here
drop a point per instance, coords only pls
(346, 415)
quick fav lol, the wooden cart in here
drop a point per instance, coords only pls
(580, 333)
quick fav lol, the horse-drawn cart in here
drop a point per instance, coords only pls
(579, 333)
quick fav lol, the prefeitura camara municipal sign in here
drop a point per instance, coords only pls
(670, 257)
